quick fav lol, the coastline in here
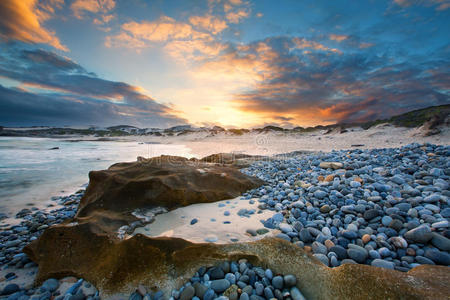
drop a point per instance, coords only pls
(67, 211)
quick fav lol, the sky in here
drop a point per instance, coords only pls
(232, 63)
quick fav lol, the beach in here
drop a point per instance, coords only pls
(384, 206)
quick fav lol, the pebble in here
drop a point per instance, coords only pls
(323, 258)
(277, 282)
(51, 284)
(285, 227)
(252, 232)
(399, 242)
(440, 242)
(220, 285)
(253, 283)
(381, 263)
(383, 199)
(296, 294)
(187, 293)
(358, 255)
(439, 257)
(289, 281)
(421, 234)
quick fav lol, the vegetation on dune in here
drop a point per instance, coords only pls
(416, 118)
(238, 131)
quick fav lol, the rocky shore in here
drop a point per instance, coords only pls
(384, 207)
(388, 208)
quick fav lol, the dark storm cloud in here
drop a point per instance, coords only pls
(21, 108)
(56, 89)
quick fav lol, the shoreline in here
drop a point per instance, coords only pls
(282, 222)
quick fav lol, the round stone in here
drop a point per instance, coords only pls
(325, 209)
(357, 255)
(323, 258)
(51, 284)
(296, 294)
(366, 238)
(386, 220)
(439, 257)
(319, 248)
(399, 242)
(421, 234)
(305, 235)
(268, 273)
(244, 296)
(383, 264)
(187, 293)
(370, 214)
(289, 280)
(220, 285)
(329, 244)
(268, 293)
(277, 282)
(216, 273)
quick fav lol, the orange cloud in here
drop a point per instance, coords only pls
(180, 40)
(80, 7)
(302, 43)
(338, 37)
(139, 35)
(22, 20)
(194, 50)
(366, 45)
(236, 16)
(208, 23)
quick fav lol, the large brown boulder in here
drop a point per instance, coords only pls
(116, 266)
(165, 181)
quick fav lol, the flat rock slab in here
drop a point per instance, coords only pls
(116, 266)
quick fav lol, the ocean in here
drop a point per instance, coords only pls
(31, 173)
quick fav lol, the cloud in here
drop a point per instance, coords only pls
(236, 16)
(23, 20)
(146, 34)
(185, 42)
(302, 43)
(22, 108)
(208, 23)
(51, 83)
(81, 7)
(439, 4)
(196, 39)
(338, 37)
(317, 88)
(194, 50)
(366, 45)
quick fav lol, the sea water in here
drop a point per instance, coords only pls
(217, 222)
(31, 173)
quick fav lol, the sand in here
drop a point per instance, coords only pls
(381, 136)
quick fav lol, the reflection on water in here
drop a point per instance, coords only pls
(217, 222)
(31, 173)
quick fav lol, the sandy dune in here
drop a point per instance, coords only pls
(381, 136)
